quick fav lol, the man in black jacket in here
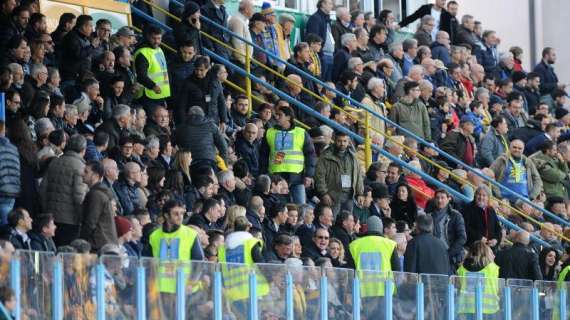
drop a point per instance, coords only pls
(426, 253)
(117, 126)
(216, 11)
(188, 29)
(436, 10)
(518, 261)
(201, 136)
(76, 51)
(20, 224)
(318, 247)
(14, 26)
(319, 23)
(448, 227)
(481, 220)
(247, 147)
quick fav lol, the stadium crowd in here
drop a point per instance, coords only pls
(111, 145)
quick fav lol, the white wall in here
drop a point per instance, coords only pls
(556, 26)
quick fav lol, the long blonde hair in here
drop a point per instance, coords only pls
(481, 254)
(182, 161)
(231, 214)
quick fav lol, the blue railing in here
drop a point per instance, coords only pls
(75, 286)
(407, 132)
(338, 127)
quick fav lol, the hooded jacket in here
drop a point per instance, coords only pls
(201, 136)
(412, 115)
(329, 171)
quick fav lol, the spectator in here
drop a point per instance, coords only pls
(548, 261)
(203, 130)
(187, 31)
(423, 35)
(532, 92)
(293, 158)
(343, 230)
(319, 23)
(116, 127)
(426, 253)
(247, 147)
(255, 213)
(280, 249)
(517, 173)
(159, 124)
(276, 216)
(216, 11)
(210, 216)
(151, 69)
(14, 26)
(460, 142)
(8, 300)
(488, 56)
(403, 205)
(65, 25)
(126, 188)
(337, 253)
(20, 224)
(77, 51)
(338, 175)
(283, 30)
(410, 113)
(62, 190)
(9, 174)
(553, 169)
(318, 247)
(377, 41)
(440, 49)
(341, 26)
(410, 47)
(124, 70)
(99, 208)
(437, 10)
(494, 143)
(449, 227)
(343, 54)
(545, 71)
(518, 261)
(238, 24)
(42, 234)
(466, 32)
(481, 220)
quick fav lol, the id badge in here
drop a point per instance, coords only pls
(279, 157)
(345, 181)
(208, 98)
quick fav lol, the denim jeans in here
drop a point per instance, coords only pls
(327, 66)
(6, 205)
(298, 193)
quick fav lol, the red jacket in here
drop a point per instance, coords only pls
(422, 193)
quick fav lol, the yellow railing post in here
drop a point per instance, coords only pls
(247, 77)
(367, 141)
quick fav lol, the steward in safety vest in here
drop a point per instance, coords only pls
(237, 257)
(151, 68)
(564, 275)
(373, 257)
(479, 264)
(173, 242)
(287, 150)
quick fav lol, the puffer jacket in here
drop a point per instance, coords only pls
(9, 169)
(62, 189)
(201, 136)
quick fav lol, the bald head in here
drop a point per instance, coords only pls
(442, 37)
(523, 237)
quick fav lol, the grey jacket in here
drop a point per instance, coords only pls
(491, 148)
(62, 189)
(9, 169)
(533, 177)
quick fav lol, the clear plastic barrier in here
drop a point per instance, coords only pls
(235, 284)
(405, 298)
(548, 299)
(120, 287)
(339, 290)
(307, 291)
(79, 286)
(491, 291)
(373, 294)
(4, 269)
(521, 298)
(36, 283)
(271, 290)
(160, 288)
(435, 296)
(199, 289)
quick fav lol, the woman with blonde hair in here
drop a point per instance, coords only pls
(336, 251)
(478, 264)
(231, 214)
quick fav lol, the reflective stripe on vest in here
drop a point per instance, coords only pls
(157, 72)
(286, 150)
(236, 265)
(489, 277)
(372, 257)
(563, 275)
(170, 248)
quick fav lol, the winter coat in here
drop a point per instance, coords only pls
(491, 147)
(533, 177)
(527, 132)
(76, 54)
(548, 78)
(201, 136)
(329, 170)
(553, 173)
(426, 254)
(487, 57)
(62, 189)
(41, 243)
(453, 233)
(423, 37)
(128, 195)
(220, 17)
(466, 36)
(440, 52)
(412, 115)
(184, 32)
(249, 152)
(317, 24)
(338, 29)
(455, 143)
(518, 262)
(475, 224)
(115, 132)
(10, 184)
(98, 225)
(340, 61)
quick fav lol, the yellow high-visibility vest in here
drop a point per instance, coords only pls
(372, 258)
(236, 265)
(169, 248)
(157, 72)
(286, 150)
(468, 282)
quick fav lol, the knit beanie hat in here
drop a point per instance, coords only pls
(123, 225)
(375, 224)
(190, 8)
(266, 9)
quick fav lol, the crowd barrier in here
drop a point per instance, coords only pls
(76, 286)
